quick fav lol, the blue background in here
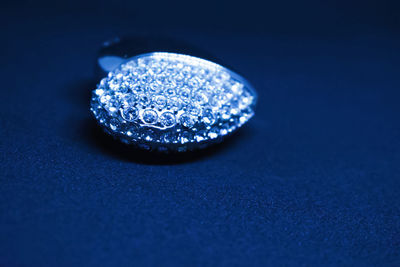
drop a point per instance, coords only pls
(313, 179)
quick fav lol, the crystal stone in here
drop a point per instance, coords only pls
(172, 102)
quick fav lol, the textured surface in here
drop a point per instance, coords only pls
(312, 179)
(171, 102)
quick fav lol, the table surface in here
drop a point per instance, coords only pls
(312, 179)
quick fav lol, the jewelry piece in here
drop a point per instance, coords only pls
(172, 102)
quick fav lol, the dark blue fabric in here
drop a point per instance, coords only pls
(313, 179)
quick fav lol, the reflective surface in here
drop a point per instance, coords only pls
(172, 102)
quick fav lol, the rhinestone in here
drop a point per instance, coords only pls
(200, 97)
(193, 109)
(224, 129)
(146, 79)
(154, 87)
(235, 107)
(160, 101)
(186, 71)
(129, 100)
(200, 136)
(245, 101)
(221, 76)
(185, 137)
(137, 87)
(209, 88)
(237, 88)
(213, 133)
(103, 83)
(134, 131)
(170, 137)
(129, 113)
(99, 92)
(242, 119)
(155, 68)
(169, 91)
(104, 99)
(179, 77)
(184, 93)
(170, 83)
(174, 103)
(114, 84)
(186, 120)
(194, 83)
(123, 88)
(112, 104)
(215, 101)
(100, 114)
(167, 119)
(149, 135)
(208, 117)
(225, 112)
(114, 124)
(144, 100)
(149, 116)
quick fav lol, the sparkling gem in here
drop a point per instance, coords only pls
(114, 84)
(225, 112)
(169, 91)
(137, 88)
(179, 77)
(149, 135)
(99, 92)
(245, 100)
(105, 98)
(149, 116)
(237, 88)
(193, 109)
(169, 137)
(208, 117)
(134, 132)
(144, 100)
(111, 103)
(174, 103)
(184, 93)
(154, 87)
(215, 101)
(185, 137)
(129, 100)
(167, 119)
(234, 106)
(145, 79)
(200, 136)
(129, 113)
(200, 97)
(224, 129)
(186, 120)
(114, 124)
(213, 133)
(194, 83)
(159, 101)
(186, 71)
(170, 83)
